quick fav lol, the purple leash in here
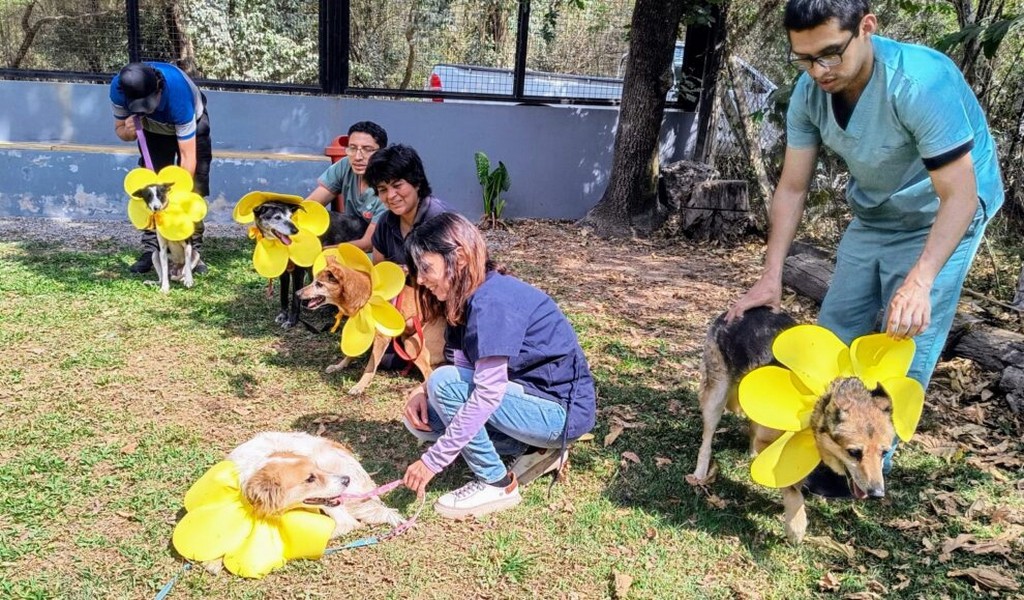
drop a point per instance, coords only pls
(398, 529)
(142, 142)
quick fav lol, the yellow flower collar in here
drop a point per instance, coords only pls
(184, 208)
(784, 398)
(387, 280)
(220, 523)
(271, 255)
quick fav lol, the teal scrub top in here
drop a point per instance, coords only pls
(916, 106)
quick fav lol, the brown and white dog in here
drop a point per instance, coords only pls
(279, 471)
(350, 290)
(852, 425)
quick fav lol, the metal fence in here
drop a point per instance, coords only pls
(502, 50)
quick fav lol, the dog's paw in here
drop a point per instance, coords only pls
(281, 318)
(188, 282)
(214, 567)
(393, 517)
(357, 389)
(337, 366)
(286, 324)
(696, 480)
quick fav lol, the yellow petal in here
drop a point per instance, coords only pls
(136, 179)
(388, 279)
(787, 461)
(175, 176)
(357, 335)
(270, 257)
(320, 262)
(354, 258)
(212, 530)
(907, 403)
(776, 398)
(305, 533)
(388, 320)
(190, 203)
(242, 211)
(815, 354)
(878, 357)
(258, 554)
(312, 217)
(139, 213)
(218, 484)
(175, 225)
(304, 249)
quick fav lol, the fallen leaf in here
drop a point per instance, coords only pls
(879, 553)
(904, 582)
(661, 461)
(241, 410)
(972, 544)
(987, 577)
(631, 456)
(320, 429)
(861, 596)
(613, 434)
(829, 582)
(827, 543)
(622, 584)
(129, 448)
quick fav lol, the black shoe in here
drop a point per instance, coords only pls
(201, 269)
(144, 264)
(826, 483)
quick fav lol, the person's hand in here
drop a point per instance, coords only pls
(910, 309)
(766, 292)
(416, 409)
(129, 128)
(416, 478)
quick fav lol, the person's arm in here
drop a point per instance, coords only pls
(365, 243)
(187, 155)
(124, 129)
(910, 306)
(786, 211)
(322, 195)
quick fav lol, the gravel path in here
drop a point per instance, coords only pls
(89, 235)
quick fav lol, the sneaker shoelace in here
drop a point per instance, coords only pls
(468, 490)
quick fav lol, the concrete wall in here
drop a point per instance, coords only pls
(59, 156)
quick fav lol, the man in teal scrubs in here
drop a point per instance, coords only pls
(344, 180)
(924, 176)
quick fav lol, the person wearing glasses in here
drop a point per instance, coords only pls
(924, 181)
(345, 180)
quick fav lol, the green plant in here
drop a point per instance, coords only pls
(494, 183)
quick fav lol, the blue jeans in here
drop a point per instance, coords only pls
(520, 421)
(871, 265)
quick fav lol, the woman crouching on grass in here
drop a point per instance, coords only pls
(520, 385)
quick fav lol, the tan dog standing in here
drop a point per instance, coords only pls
(349, 290)
(852, 425)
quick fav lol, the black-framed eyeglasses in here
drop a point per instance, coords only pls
(827, 60)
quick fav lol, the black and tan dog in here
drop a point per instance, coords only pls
(349, 290)
(274, 220)
(852, 425)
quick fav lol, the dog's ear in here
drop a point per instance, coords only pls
(139, 193)
(265, 493)
(881, 399)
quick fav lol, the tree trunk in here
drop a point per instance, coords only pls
(1018, 298)
(181, 42)
(630, 202)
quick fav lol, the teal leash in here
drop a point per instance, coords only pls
(170, 584)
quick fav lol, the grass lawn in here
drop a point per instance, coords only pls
(115, 398)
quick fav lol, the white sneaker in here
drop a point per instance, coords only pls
(531, 466)
(476, 499)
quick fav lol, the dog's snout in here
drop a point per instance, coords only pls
(876, 493)
(344, 480)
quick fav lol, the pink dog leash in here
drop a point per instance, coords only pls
(142, 142)
(395, 532)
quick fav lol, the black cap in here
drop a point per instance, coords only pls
(141, 84)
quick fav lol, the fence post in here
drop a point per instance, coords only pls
(334, 41)
(522, 37)
(134, 35)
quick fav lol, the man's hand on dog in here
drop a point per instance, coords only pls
(766, 292)
(417, 476)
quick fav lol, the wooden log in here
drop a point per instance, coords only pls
(992, 348)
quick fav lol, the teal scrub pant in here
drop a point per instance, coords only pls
(871, 264)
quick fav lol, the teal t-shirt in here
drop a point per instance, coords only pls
(916, 106)
(339, 178)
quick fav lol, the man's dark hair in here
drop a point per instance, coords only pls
(802, 15)
(371, 129)
(394, 163)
